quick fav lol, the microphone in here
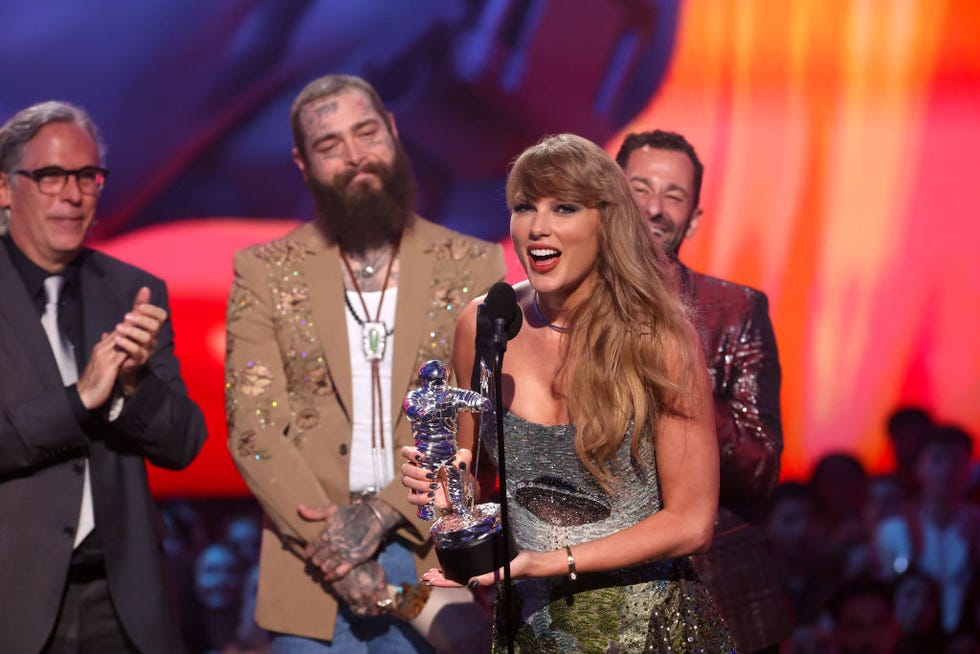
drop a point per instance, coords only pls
(496, 317)
(504, 313)
(504, 319)
(483, 345)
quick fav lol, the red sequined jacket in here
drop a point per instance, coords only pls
(743, 362)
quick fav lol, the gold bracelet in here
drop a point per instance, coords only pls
(572, 575)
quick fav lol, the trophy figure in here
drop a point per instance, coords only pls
(468, 539)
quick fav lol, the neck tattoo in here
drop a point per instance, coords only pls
(537, 310)
(369, 265)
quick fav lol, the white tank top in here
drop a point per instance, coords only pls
(370, 469)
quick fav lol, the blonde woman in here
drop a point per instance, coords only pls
(612, 461)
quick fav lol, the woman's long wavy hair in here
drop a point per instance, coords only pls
(630, 351)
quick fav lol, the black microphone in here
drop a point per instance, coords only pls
(498, 319)
(504, 313)
(506, 317)
(483, 345)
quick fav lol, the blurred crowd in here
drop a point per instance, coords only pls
(883, 563)
(212, 556)
(868, 563)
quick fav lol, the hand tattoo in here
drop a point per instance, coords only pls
(363, 588)
(351, 535)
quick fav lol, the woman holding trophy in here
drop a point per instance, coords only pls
(612, 461)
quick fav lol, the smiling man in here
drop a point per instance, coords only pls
(85, 401)
(739, 347)
(327, 329)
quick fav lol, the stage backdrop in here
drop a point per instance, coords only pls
(839, 140)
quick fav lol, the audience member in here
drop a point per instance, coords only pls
(915, 598)
(886, 498)
(243, 534)
(217, 594)
(940, 533)
(839, 485)
(862, 617)
(907, 427)
(797, 545)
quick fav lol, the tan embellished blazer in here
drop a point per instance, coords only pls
(288, 390)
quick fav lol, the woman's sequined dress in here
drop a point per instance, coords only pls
(553, 502)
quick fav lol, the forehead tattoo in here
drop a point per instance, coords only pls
(316, 117)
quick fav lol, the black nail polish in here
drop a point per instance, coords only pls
(433, 486)
(473, 583)
(430, 494)
(418, 457)
(430, 475)
(462, 466)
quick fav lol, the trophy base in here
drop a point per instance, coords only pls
(468, 552)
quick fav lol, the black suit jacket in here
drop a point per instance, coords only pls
(42, 448)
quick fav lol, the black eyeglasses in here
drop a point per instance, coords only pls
(51, 180)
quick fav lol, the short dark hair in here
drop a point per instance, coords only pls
(911, 418)
(951, 436)
(663, 140)
(324, 87)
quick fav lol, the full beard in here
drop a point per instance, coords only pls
(360, 218)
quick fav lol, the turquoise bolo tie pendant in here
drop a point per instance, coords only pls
(374, 340)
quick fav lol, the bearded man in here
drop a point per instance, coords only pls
(327, 328)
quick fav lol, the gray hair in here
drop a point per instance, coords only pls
(327, 86)
(25, 124)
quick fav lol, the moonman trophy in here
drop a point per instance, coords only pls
(468, 539)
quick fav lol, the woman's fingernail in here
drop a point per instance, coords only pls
(473, 583)
(462, 466)
(430, 494)
(430, 475)
(418, 457)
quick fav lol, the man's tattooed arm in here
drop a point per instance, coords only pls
(365, 589)
(351, 535)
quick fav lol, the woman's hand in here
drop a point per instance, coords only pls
(525, 564)
(427, 486)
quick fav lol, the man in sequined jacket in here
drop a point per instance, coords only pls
(327, 328)
(739, 345)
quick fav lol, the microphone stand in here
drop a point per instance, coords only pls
(500, 346)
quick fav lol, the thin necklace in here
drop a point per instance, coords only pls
(374, 340)
(369, 268)
(537, 310)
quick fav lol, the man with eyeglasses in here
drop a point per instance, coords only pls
(90, 390)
